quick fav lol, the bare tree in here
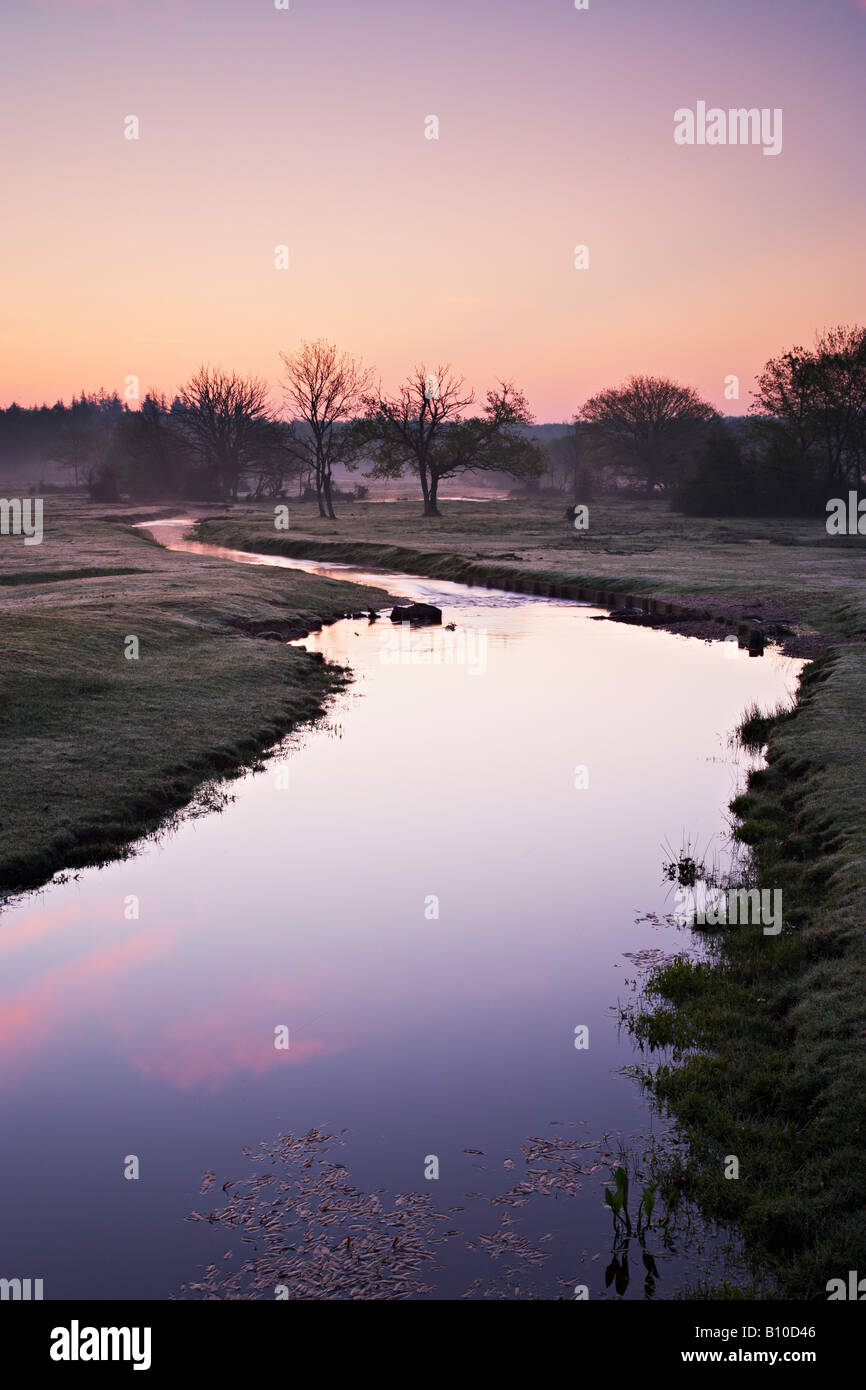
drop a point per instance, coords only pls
(325, 389)
(653, 422)
(228, 421)
(406, 428)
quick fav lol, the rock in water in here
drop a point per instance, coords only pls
(416, 613)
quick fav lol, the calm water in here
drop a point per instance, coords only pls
(443, 780)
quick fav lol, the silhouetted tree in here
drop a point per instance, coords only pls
(281, 459)
(324, 388)
(150, 452)
(73, 449)
(572, 462)
(812, 403)
(405, 429)
(227, 420)
(493, 442)
(653, 424)
(423, 427)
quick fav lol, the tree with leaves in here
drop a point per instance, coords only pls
(424, 427)
(652, 423)
(811, 403)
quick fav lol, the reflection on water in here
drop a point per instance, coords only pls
(431, 893)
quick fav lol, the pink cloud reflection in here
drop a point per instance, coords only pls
(200, 1052)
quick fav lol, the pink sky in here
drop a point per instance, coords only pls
(261, 127)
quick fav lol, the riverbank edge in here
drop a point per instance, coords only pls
(156, 805)
(617, 594)
(770, 1066)
(166, 792)
(769, 1063)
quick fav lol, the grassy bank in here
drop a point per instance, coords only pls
(770, 1038)
(96, 748)
(770, 573)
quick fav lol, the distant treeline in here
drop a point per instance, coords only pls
(146, 451)
(30, 437)
(218, 438)
(802, 442)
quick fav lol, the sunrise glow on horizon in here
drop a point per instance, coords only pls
(309, 128)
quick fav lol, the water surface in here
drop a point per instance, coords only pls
(419, 892)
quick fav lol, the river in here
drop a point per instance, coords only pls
(432, 891)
